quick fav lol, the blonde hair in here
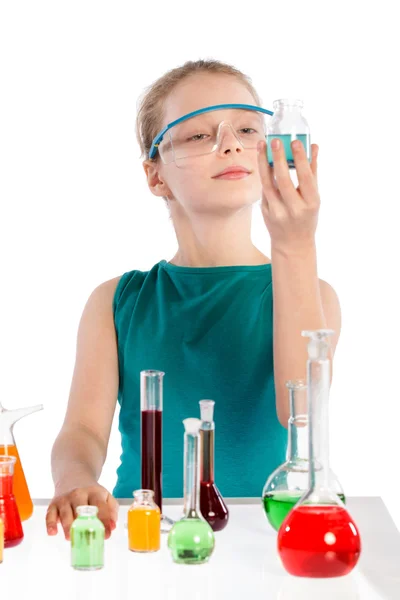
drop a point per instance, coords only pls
(150, 110)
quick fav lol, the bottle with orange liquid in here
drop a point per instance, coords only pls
(144, 517)
(8, 418)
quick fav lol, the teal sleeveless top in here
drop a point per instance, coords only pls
(210, 330)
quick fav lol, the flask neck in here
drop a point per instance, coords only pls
(207, 450)
(191, 507)
(298, 439)
(318, 385)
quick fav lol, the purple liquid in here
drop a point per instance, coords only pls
(212, 506)
(151, 453)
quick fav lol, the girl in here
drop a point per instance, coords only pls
(221, 319)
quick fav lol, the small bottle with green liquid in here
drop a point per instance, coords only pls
(290, 481)
(87, 540)
(288, 124)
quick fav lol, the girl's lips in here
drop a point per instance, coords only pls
(233, 175)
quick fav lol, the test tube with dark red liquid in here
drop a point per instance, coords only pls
(151, 404)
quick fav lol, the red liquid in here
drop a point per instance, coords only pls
(13, 534)
(212, 506)
(319, 541)
(151, 453)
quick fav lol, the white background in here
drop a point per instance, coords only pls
(76, 211)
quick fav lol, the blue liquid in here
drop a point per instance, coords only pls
(286, 140)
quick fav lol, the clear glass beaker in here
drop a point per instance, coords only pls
(8, 418)
(319, 538)
(151, 405)
(144, 523)
(13, 533)
(288, 124)
(87, 540)
(287, 484)
(191, 539)
(212, 505)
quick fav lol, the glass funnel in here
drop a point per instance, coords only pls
(8, 418)
(319, 538)
(191, 540)
(287, 484)
(13, 533)
(151, 405)
(212, 505)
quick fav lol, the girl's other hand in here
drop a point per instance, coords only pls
(63, 509)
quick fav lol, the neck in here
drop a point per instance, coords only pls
(297, 449)
(206, 239)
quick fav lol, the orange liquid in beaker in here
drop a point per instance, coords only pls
(144, 529)
(20, 487)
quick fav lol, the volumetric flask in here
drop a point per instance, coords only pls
(87, 540)
(212, 505)
(288, 124)
(8, 418)
(13, 533)
(144, 523)
(289, 482)
(319, 538)
(191, 540)
(151, 404)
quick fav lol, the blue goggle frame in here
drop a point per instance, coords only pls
(159, 137)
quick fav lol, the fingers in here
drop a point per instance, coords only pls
(66, 517)
(281, 171)
(266, 172)
(114, 508)
(52, 519)
(306, 172)
(97, 498)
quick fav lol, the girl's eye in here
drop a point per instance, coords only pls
(247, 130)
(198, 137)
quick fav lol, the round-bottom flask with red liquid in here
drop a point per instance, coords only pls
(319, 538)
(13, 533)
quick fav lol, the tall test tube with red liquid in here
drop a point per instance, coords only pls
(319, 538)
(151, 404)
(212, 505)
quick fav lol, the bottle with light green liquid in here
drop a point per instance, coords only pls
(288, 124)
(191, 540)
(289, 482)
(87, 540)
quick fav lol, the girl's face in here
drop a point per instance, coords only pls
(195, 184)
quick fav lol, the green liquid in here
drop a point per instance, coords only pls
(191, 541)
(278, 505)
(286, 140)
(87, 543)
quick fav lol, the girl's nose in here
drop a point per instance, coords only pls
(228, 141)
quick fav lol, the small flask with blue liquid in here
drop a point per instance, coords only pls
(288, 124)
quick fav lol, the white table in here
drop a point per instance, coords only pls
(244, 565)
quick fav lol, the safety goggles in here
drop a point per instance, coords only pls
(198, 133)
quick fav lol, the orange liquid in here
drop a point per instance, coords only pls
(20, 487)
(144, 529)
(1, 540)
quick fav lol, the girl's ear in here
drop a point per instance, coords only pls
(157, 186)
